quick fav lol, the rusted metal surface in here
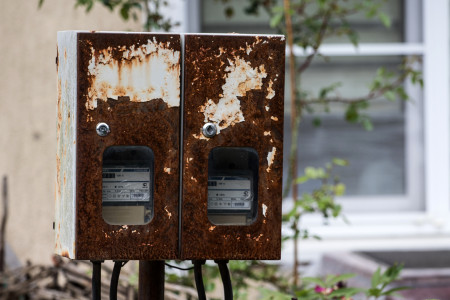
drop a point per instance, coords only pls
(237, 83)
(131, 82)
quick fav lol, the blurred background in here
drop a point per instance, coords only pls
(397, 192)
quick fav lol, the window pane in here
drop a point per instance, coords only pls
(371, 30)
(377, 157)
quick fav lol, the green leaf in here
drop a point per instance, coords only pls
(376, 278)
(339, 189)
(367, 124)
(317, 122)
(385, 19)
(333, 279)
(346, 292)
(390, 95)
(340, 162)
(124, 12)
(314, 280)
(353, 37)
(229, 12)
(302, 179)
(391, 291)
(275, 20)
(40, 3)
(352, 114)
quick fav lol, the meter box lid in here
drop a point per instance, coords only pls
(117, 181)
(232, 146)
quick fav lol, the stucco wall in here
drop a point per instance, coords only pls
(28, 111)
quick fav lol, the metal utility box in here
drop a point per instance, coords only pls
(232, 147)
(118, 138)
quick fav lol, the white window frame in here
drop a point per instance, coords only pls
(427, 149)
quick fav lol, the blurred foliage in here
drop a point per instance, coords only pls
(148, 10)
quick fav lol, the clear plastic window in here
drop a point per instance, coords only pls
(232, 186)
(127, 196)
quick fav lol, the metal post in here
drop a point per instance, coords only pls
(151, 280)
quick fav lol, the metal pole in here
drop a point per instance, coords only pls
(96, 280)
(151, 280)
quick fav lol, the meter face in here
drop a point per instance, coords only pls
(127, 185)
(232, 186)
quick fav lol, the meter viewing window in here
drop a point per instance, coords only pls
(127, 194)
(232, 186)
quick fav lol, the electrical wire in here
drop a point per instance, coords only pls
(199, 279)
(115, 279)
(226, 279)
(179, 268)
(96, 280)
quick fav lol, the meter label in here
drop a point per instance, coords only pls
(229, 193)
(126, 184)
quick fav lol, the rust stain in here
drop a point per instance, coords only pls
(65, 253)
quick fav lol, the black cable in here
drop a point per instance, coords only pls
(115, 279)
(199, 279)
(96, 279)
(226, 279)
(179, 268)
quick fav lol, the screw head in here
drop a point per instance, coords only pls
(209, 130)
(102, 129)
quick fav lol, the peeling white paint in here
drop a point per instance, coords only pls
(240, 79)
(169, 214)
(266, 133)
(249, 48)
(270, 158)
(270, 91)
(150, 71)
(274, 118)
(167, 170)
(264, 210)
(267, 107)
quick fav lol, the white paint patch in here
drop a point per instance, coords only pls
(249, 48)
(169, 214)
(270, 91)
(167, 170)
(264, 210)
(270, 158)
(150, 71)
(274, 118)
(267, 107)
(240, 79)
(266, 133)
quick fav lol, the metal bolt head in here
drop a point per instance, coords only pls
(102, 129)
(209, 130)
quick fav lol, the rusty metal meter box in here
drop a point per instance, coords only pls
(232, 147)
(132, 134)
